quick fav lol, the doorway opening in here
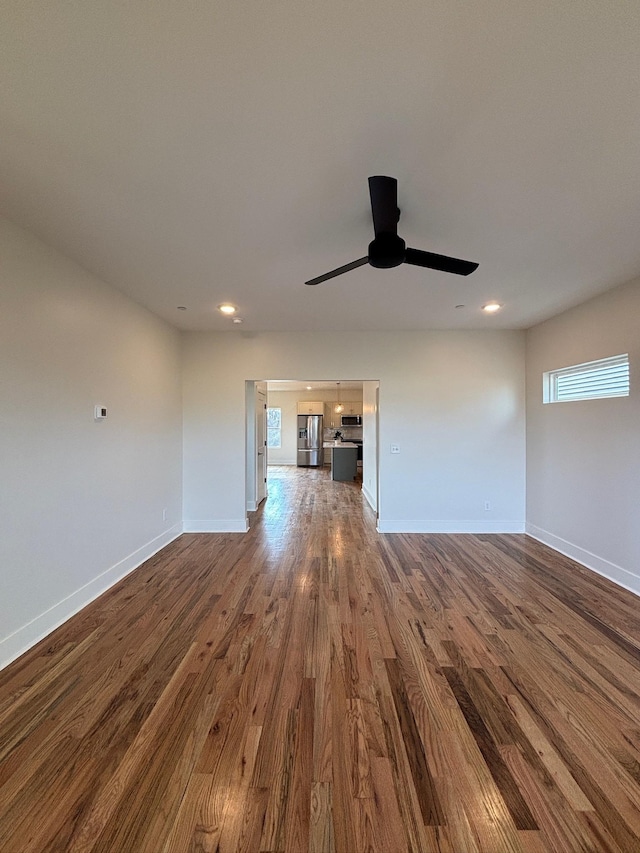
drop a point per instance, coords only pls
(348, 410)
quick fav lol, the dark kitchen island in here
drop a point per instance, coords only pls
(344, 459)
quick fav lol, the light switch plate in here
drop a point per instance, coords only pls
(395, 448)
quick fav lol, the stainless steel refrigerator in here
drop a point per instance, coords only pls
(310, 451)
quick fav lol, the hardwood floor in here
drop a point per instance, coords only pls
(315, 686)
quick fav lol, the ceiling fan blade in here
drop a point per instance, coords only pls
(346, 268)
(439, 262)
(384, 204)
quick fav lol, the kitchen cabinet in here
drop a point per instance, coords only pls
(311, 408)
(350, 407)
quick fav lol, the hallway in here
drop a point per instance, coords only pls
(315, 686)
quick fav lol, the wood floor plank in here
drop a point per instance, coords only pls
(313, 685)
(234, 814)
(321, 835)
(425, 788)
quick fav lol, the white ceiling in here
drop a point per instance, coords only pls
(196, 152)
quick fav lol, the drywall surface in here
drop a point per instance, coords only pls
(453, 402)
(583, 457)
(81, 501)
(370, 443)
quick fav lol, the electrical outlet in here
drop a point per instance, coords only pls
(395, 448)
(164, 514)
(487, 506)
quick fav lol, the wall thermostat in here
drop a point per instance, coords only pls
(100, 412)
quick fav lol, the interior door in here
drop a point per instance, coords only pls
(261, 445)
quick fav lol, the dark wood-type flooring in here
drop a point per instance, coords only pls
(315, 686)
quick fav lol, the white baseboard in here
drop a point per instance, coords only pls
(216, 525)
(252, 506)
(370, 499)
(37, 629)
(418, 526)
(617, 574)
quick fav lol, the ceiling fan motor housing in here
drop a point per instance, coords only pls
(386, 251)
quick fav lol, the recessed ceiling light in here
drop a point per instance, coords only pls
(308, 387)
(182, 307)
(237, 320)
(459, 306)
(491, 307)
(227, 309)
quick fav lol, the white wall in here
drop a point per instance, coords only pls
(583, 458)
(370, 442)
(81, 502)
(453, 401)
(287, 402)
(251, 446)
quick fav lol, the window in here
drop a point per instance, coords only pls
(274, 427)
(607, 377)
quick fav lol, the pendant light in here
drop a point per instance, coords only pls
(339, 408)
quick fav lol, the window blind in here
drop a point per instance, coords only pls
(607, 377)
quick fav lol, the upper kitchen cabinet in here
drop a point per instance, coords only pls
(349, 407)
(352, 408)
(309, 407)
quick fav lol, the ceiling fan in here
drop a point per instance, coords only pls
(387, 249)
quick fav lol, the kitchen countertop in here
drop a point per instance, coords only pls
(332, 444)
